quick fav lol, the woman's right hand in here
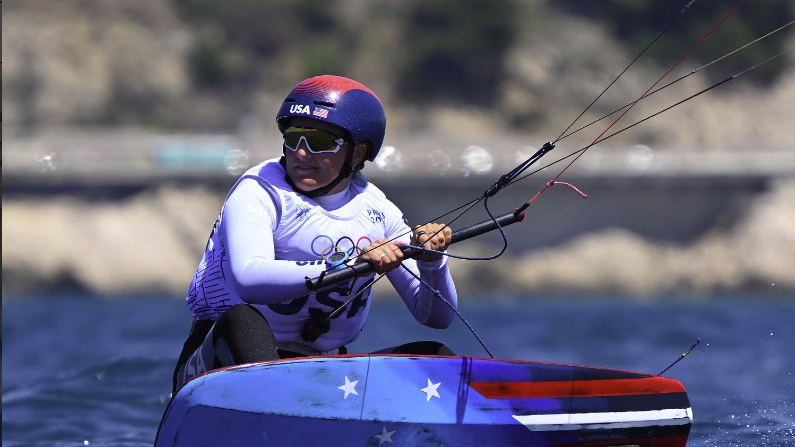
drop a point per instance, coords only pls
(383, 255)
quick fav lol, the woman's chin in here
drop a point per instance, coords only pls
(306, 184)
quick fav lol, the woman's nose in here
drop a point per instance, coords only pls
(303, 148)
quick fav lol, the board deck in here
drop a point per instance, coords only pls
(427, 401)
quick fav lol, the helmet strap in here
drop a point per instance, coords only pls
(345, 172)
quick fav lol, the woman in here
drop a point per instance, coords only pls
(280, 223)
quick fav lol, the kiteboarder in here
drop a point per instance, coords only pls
(298, 216)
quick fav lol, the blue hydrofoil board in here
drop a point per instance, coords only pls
(373, 400)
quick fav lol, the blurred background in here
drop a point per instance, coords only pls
(126, 122)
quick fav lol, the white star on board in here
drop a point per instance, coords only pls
(431, 389)
(349, 387)
(385, 436)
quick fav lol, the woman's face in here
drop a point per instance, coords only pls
(310, 171)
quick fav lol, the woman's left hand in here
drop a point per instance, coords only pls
(430, 236)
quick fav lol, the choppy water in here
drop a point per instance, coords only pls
(87, 372)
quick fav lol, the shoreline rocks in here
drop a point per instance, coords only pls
(152, 242)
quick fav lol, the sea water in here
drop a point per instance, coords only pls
(80, 371)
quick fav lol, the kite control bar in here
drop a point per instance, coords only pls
(364, 268)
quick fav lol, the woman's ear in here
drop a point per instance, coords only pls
(359, 154)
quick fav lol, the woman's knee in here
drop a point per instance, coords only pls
(243, 333)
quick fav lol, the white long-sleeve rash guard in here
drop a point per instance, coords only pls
(268, 239)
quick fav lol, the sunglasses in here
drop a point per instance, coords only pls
(316, 140)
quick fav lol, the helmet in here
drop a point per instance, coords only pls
(339, 101)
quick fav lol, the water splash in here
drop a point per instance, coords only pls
(47, 162)
(439, 162)
(524, 153)
(389, 159)
(639, 158)
(476, 160)
(237, 161)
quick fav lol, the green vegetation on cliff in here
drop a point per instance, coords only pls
(202, 64)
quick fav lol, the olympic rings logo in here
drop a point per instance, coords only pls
(323, 245)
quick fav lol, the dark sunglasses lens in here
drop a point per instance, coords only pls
(317, 140)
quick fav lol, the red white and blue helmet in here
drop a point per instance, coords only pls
(339, 101)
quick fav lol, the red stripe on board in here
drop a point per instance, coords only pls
(577, 388)
(665, 441)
